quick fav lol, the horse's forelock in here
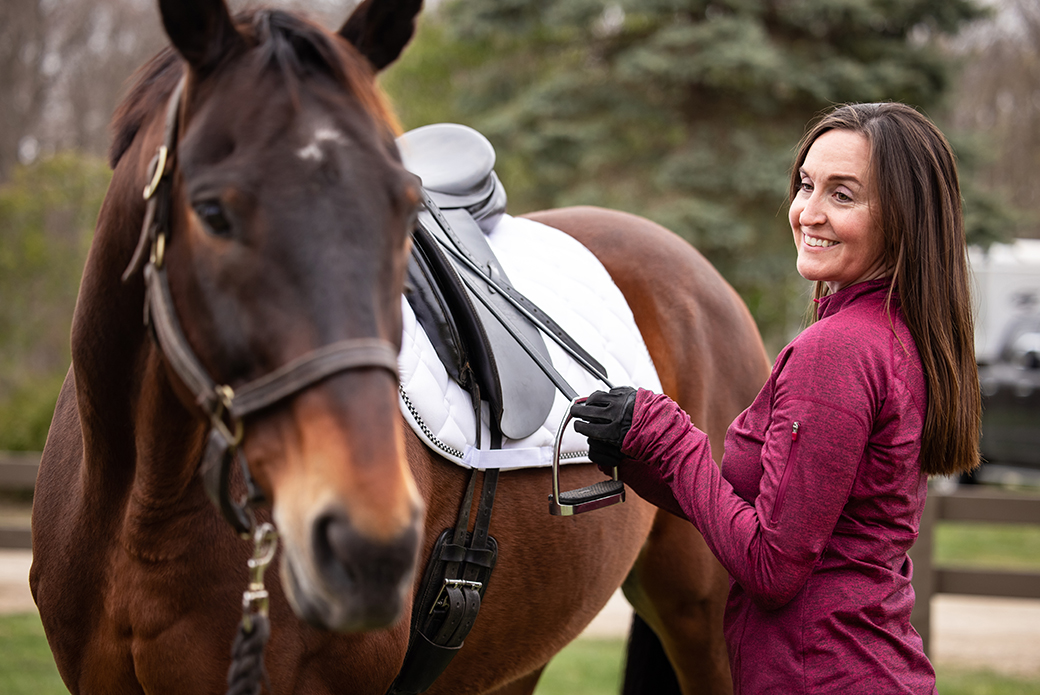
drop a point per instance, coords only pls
(287, 43)
(295, 46)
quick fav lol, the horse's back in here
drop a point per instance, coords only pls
(703, 340)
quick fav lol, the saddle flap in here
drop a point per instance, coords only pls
(557, 273)
(518, 392)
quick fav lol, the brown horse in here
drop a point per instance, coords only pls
(289, 216)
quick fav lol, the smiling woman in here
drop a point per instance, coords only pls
(824, 478)
(915, 201)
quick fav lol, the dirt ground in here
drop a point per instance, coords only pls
(967, 631)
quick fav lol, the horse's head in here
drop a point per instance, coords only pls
(290, 219)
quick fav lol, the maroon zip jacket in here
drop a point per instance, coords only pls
(818, 499)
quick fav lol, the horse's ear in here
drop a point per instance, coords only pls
(201, 30)
(380, 29)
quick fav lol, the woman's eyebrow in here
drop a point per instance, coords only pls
(836, 178)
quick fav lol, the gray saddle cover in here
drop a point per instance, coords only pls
(456, 166)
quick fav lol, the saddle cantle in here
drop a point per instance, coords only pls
(456, 166)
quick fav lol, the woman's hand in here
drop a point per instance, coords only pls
(605, 418)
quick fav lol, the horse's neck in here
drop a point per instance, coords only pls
(140, 443)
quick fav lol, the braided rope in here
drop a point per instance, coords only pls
(247, 674)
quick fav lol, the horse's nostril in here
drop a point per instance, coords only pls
(333, 541)
(345, 554)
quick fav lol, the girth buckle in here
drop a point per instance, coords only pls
(441, 601)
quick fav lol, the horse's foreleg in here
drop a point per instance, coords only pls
(679, 588)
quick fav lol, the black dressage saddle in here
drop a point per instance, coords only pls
(487, 335)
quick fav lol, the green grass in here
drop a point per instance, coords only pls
(958, 682)
(26, 665)
(585, 667)
(1007, 546)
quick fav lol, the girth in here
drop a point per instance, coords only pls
(452, 587)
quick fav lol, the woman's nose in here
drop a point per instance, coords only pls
(811, 213)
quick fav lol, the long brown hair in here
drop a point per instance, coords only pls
(919, 214)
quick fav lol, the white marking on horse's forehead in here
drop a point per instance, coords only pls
(313, 151)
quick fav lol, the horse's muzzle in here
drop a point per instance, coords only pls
(347, 581)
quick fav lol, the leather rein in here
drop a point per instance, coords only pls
(225, 407)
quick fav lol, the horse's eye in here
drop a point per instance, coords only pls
(211, 212)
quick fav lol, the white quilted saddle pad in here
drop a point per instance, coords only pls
(570, 284)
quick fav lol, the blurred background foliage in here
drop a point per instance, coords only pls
(685, 111)
(47, 213)
(689, 111)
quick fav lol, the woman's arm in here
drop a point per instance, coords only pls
(808, 469)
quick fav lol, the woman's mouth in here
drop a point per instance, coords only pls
(816, 241)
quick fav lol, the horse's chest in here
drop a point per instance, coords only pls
(161, 631)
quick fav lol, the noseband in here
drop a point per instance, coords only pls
(225, 407)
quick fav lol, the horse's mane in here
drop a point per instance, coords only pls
(290, 44)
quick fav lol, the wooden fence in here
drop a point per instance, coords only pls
(968, 503)
(974, 503)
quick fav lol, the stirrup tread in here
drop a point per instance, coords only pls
(605, 488)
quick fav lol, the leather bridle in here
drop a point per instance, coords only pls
(225, 407)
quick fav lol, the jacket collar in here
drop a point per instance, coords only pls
(833, 303)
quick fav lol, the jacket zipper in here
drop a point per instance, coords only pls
(778, 505)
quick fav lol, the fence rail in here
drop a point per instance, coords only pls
(975, 504)
(17, 473)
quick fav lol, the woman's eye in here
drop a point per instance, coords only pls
(211, 212)
(843, 197)
(806, 186)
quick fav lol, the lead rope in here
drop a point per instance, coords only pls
(247, 674)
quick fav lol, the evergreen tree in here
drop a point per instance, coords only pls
(47, 215)
(685, 111)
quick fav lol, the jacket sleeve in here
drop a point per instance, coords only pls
(809, 459)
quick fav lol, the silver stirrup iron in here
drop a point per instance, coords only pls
(596, 496)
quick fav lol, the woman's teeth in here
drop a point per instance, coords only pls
(814, 241)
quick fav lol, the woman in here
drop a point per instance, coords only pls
(824, 477)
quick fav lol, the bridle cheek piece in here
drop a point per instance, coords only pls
(225, 407)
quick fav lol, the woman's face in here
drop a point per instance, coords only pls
(834, 231)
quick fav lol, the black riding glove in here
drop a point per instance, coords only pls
(605, 419)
